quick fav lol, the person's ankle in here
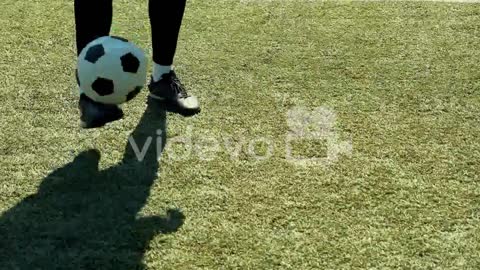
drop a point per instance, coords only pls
(160, 70)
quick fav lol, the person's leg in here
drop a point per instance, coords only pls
(165, 20)
(93, 19)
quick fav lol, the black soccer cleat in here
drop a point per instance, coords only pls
(169, 91)
(95, 115)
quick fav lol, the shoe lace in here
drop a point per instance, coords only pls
(177, 86)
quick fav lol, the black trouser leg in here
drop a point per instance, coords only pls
(93, 19)
(165, 20)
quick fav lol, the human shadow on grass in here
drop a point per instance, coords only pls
(83, 218)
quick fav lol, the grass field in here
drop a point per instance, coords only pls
(402, 79)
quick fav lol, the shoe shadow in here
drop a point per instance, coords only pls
(83, 218)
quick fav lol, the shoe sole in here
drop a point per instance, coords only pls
(173, 107)
(86, 125)
(101, 123)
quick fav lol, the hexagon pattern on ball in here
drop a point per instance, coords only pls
(130, 63)
(94, 53)
(103, 87)
(134, 93)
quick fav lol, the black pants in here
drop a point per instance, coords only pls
(93, 19)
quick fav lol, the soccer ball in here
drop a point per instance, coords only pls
(111, 70)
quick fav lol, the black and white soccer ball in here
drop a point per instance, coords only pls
(111, 70)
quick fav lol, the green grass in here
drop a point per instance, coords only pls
(402, 78)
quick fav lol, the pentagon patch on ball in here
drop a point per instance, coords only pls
(103, 86)
(111, 70)
(120, 38)
(94, 53)
(76, 77)
(130, 63)
(134, 93)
